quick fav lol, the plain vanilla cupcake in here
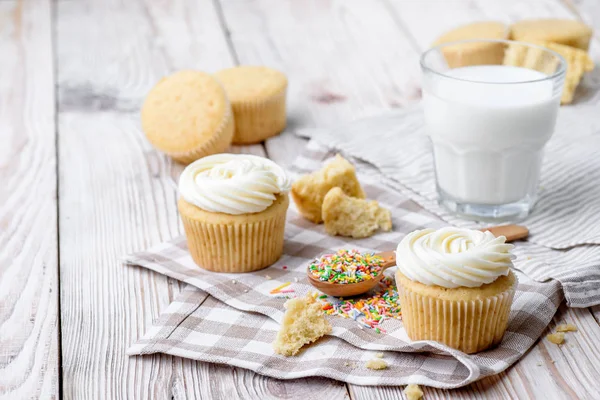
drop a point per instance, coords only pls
(233, 208)
(188, 116)
(258, 97)
(455, 287)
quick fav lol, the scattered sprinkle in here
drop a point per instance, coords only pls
(557, 338)
(346, 266)
(379, 355)
(267, 277)
(566, 328)
(278, 288)
(368, 312)
(413, 392)
(285, 267)
(376, 363)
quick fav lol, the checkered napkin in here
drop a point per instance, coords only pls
(238, 324)
(564, 241)
(569, 190)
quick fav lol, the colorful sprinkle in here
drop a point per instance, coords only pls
(346, 266)
(278, 288)
(368, 312)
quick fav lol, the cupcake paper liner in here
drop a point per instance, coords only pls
(258, 120)
(218, 142)
(466, 325)
(237, 244)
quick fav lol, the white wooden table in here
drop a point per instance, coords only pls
(80, 186)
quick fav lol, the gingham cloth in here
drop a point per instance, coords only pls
(238, 325)
(569, 192)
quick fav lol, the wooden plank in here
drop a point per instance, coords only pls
(116, 196)
(547, 370)
(343, 60)
(29, 316)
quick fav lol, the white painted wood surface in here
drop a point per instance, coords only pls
(344, 58)
(29, 330)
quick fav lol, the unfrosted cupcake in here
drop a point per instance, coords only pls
(188, 116)
(233, 208)
(455, 287)
(257, 96)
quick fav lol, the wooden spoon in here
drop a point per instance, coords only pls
(512, 232)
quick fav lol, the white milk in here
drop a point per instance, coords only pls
(488, 138)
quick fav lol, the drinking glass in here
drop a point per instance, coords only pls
(490, 108)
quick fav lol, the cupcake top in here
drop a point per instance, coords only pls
(251, 83)
(233, 183)
(452, 257)
(184, 111)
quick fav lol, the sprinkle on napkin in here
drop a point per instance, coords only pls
(369, 312)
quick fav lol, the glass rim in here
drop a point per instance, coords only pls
(561, 70)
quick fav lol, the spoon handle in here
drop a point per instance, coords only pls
(512, 232)
(389, 259)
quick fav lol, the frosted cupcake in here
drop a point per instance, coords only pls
(455, 287)
(233, 208)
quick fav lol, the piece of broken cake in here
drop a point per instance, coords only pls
(309, 191)
(303, 323)
(578, 63)
(357, 218)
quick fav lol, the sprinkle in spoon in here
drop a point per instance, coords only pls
(511, 232)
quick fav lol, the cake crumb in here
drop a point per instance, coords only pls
(376, 363)
(413, 392)
(566, 328)
(233, 281)
(267, 277)
(303, 323)
(245, 290)
(379, 355)
(346, 364)
(295, 279)
(557, 338)
(539, 364)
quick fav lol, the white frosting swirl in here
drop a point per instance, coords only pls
(233, 183)
(451, 257)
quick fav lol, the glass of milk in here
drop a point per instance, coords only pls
(490, 107)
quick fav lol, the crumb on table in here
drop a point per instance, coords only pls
(413, 392)
(379, 355)
(566, 328)
(556, 338)
(376, 363)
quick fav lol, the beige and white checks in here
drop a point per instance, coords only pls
(238, 323)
